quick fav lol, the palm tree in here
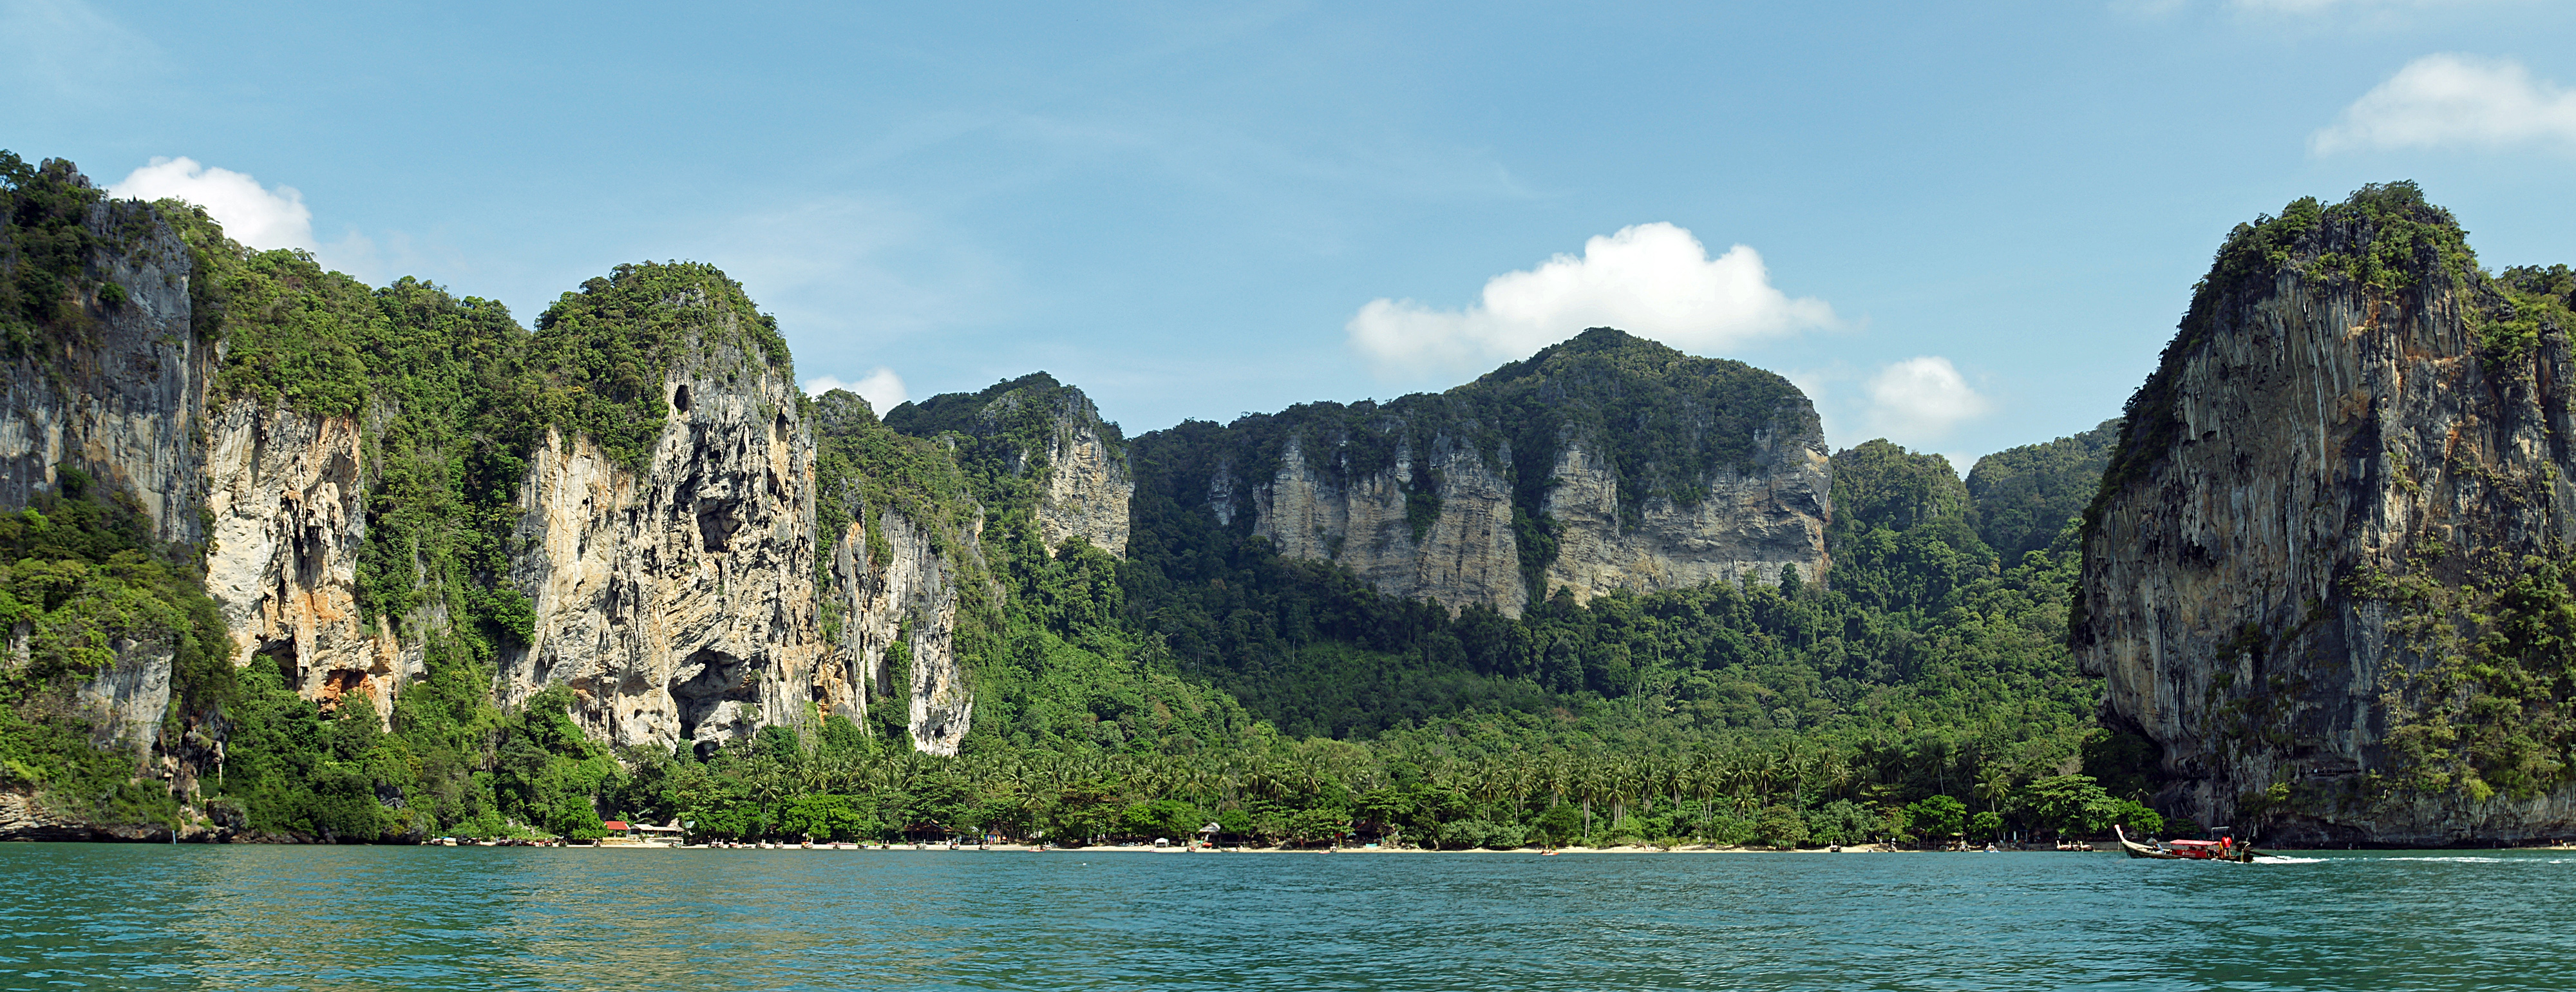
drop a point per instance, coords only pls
(1993, 786)
(1797, 764)
(1707, 779)
(1592, 781)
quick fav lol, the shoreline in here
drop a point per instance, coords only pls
(1621, 850)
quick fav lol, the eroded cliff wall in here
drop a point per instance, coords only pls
(2301, 577)
(1603, 463)
(114, 395)
(285, 495)
(677, 601)
(1046, 435)
(1751, 523)
(1463, 555)
(900, 641)
(674, 591)
(908, 567)
(119, 395)
(1085, 487)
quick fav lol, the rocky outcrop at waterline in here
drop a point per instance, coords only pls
(2327, 570)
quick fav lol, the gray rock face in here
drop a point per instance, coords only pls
(127, 699)
(123, 404)
(120, 405)
(273, 495)
(2311, 450)
(1086, 488)
(1750, 524)
(677, 598)
(1034, 424)
(909, 598)
(1466, 556)
(911, 590)
(678, 602)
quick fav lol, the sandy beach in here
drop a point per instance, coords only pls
(1143, 849)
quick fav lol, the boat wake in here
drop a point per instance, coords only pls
(2283, 859)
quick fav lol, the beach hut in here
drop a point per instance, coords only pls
(650, 834)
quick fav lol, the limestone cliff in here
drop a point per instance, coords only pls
(1752, 522)
(284, 495)
(2327, 561)
(120, 396)
(906, 566)
(1603, 463)
(368, 491)
(671, 583)
(899, 642)
(1085, 488)
(677, 597)
(1048, 435)
(1465, 555)
(114, 397)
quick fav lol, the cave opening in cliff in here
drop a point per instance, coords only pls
(283, 653)
(706, 680)
(716, 525)
(680, 399)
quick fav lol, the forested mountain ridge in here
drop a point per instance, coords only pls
(1604, 462)
(431, 571)
(2022, 494)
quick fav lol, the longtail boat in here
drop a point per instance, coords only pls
(2184, 850)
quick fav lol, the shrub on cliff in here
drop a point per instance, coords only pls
(82, 581)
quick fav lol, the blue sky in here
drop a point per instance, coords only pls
(1963, 227)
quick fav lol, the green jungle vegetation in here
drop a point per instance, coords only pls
(1923, 690)
(2021, 495)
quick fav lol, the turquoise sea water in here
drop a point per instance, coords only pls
(250, 917)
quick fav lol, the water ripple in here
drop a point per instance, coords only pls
(257, 918)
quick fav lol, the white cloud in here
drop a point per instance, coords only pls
(2452, 99)
(1654, 280)
(250, 213)
(1917, 401)
(883, 389)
